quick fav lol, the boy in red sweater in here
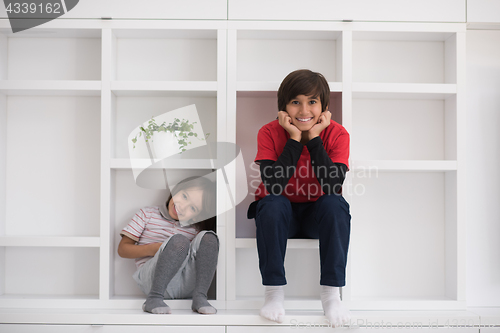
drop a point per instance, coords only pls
(303, 158)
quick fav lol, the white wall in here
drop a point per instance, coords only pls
(483, 176)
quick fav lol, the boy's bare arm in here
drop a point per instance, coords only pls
(128, 249)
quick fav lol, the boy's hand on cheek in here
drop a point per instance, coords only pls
(286, 122)
(323, 122)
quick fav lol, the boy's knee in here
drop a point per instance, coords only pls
(273, 209)
(210, 239)
(179, 243)
(274, 202)
(333, 202)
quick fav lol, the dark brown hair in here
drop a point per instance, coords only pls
(207, 213)
(303, 82)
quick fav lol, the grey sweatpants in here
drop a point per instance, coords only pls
(183, 282)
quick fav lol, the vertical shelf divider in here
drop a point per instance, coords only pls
(3, 156)
(461, 144)
(451, 178)
(231, 137)
(105, 249)
(221, 124)
(3, 183)
(346, 79)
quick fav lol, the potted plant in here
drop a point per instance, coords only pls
(168, 139)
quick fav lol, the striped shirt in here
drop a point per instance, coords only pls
(150, 226)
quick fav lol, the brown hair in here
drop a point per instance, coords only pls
(303, 82)
(207, 213)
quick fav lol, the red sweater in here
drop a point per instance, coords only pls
(303, 186)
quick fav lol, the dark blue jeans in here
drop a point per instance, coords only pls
(327, 219)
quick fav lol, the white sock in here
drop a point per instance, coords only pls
(273, 308)
(335, 311)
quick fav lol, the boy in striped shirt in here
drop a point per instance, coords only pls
(174, 247)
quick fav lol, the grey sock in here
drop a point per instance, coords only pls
(169, 262)
(206, 263)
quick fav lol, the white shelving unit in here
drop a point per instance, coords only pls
(50, 107)
(410, 129)
(399, 91)
(154, 69)
(71, 92)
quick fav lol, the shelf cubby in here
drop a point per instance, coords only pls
(134, 108)
(404, 129)
(51, 166)
(404, 57)
(71, 272)
(265, 56)
(254, 110)
(128, 198)
(415, 213)
(50, 88)
(51, 54)
(299, 285)
(165, 55)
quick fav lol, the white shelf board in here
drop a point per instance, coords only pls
(407, 36)
(125, 163)
(147, 32)
(290, 304)
(31, 241)
(88, 28)
(324, 32)
(407, 304)
(123, 302)
(365, 304)
(62, 29)
(274, 85)
(403, 90)
(396, 30)
(196, 88)
(51, 87)
(419, 30)
(251, 243)
(82, 303)
(402, 165)
(138, 317)
(39, 302)
(224, 317)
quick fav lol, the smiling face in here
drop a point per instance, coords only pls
(186, 204)
(304, 111)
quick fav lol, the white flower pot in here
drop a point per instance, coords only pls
(165, 144)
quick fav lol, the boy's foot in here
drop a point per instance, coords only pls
(202, 306)
(273, 308)
(156, 306)
(335, 312)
